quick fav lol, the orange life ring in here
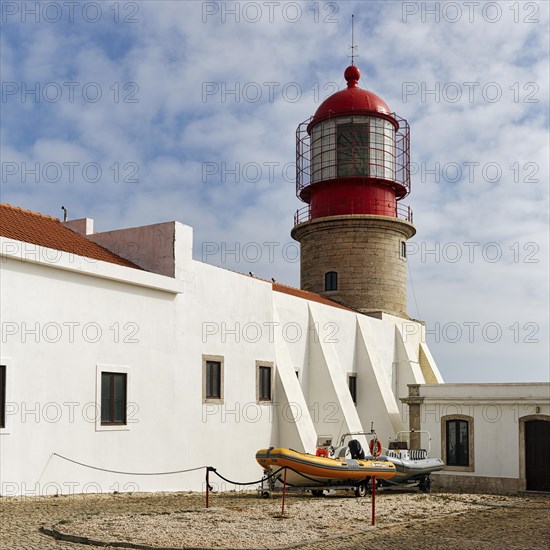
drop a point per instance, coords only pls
(322, 452)
(378, 451)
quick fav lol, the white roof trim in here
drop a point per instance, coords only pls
(57, 259)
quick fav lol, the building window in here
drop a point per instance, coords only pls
(264, 381)
(457, 443)
(213, 380)
(213, 385)
(264, 384)
(113, 398)
(403, 249)
(2, 396)
(352, 384)
(457, 439)
(331, 280)
(352, 149)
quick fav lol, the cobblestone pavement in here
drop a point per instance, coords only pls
(521, 528)
(524, 525)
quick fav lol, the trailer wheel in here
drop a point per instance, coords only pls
(424, 485)
(317, 492)
(361, 490)
(266, 494)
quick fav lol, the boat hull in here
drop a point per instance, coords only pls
(408, 470)
(310, 470)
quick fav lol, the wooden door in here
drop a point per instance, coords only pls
(537, 455)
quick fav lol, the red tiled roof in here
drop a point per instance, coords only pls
(31, 227)
(308, 296)
(305, 294)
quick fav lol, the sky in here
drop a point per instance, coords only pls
(134, 113)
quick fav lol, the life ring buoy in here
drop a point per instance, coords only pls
(322, 452)
(378, 451)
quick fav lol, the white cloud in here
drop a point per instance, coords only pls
(173, 57)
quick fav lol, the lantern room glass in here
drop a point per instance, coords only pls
(358, 146)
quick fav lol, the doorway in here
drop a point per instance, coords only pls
(537, 455)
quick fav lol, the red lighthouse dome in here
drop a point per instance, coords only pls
(353, 156)
(351, 100)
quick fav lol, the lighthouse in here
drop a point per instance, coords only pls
(352, 171)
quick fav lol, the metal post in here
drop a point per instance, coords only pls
(284, 494)
(207, 484)
(373, 500)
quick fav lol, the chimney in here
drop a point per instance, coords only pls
(84, 226)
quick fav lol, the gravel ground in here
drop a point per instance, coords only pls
(242, 520)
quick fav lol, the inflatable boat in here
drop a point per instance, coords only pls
(412, 466)
(307, 470)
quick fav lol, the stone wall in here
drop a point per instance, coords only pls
(365, 251)
(474, 484)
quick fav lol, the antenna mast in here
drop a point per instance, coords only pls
(353, 47)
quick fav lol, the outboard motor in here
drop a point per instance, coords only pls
(356, 450)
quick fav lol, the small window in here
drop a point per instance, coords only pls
(213, 380)
(264, 383)
(352, 384)
(2, 396)
(403, 249)
(113, 398)
(457, 443)
(331, 280)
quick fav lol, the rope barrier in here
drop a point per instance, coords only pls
(208, 468)
(212, 469)
(129, 473)
(270, 476)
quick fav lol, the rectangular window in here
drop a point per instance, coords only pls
(403, 249)
(457, 442)
(382, 149)
(323, 151)
(2, 396)
(352, 149)
(352, 384)
(213, 380)
(264, 383)
(331, 280)
(113, 398)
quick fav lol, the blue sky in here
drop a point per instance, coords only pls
(141, 112)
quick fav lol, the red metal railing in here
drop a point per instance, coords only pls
(378, 208)
(379, 159)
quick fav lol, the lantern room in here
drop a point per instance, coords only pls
(352, 157)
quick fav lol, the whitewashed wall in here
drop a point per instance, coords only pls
(157, 328)
(84, 323)
(496, 410)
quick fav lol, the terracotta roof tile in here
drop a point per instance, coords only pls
(31, 227)
(308, 296)
(305, 294)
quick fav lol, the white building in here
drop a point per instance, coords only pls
(69, 318)
(123, 354)
(491, 437)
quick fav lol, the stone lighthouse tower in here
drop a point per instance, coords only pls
(352, 170)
